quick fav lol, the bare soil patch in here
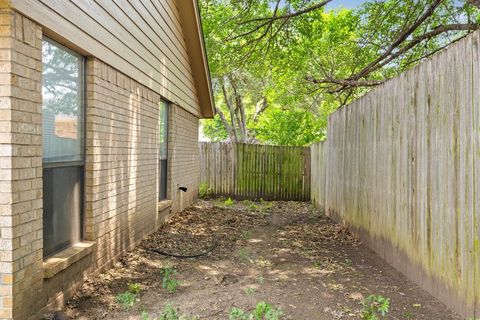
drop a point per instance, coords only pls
(285, 253)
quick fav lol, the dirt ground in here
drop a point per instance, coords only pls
(287, 254)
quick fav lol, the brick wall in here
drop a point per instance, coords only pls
(121, 170)
(183, 157)
(121, 160)
(20, 165)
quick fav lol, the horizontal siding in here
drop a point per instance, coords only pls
(143, 39)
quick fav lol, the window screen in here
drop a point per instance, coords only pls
(63, 146)
(163, 150)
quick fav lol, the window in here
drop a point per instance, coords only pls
(163, 150)
(63, 146)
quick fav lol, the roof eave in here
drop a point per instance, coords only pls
(192, 30)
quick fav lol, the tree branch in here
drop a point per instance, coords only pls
(260, 107)
(400, 39)
(435, 32)
(269, 21)
(227, 126)
(291, 14)
(345, 82)
(354, 81)
(232, 115)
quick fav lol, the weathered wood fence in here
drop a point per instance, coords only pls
(318, 174)
(402, 170)
(251, 171)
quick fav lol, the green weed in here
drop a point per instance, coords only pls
(243, 255)
(127, 299)
(229, 202)
(144, 315)
(246, 234)
(169, 312)
(263, 311)
(253, 207)
(266, 206)
(169, 282)
(247, 202)
(250, 291)
(204, 191)
(408, 315)
(375, 307)
(134, 288)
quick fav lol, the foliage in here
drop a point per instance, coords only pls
(229, 202)
(169, 282)
(375, 307)
(289, 127)
(279, 68)
(62, 80)
(243, 254)
(144, 315)
(263, 311)
(214, 129)
(128, 298)
(204, 191)
(134, 288)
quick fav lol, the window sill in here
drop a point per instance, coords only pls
(62, 260)
(164, 204)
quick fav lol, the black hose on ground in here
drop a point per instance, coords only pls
(197, 255)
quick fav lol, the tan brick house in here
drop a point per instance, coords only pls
(99, 108)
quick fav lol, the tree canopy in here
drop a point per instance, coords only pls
(279, 68)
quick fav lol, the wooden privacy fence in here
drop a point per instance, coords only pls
(402, 170)
(251, 171)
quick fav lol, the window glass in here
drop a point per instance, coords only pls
(62, 90)
(63, 140)
(163, 150)
(62, 207)
(163, 125)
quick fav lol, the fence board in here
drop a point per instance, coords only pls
(318, 171)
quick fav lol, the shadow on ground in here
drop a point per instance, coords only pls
(285, 253)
